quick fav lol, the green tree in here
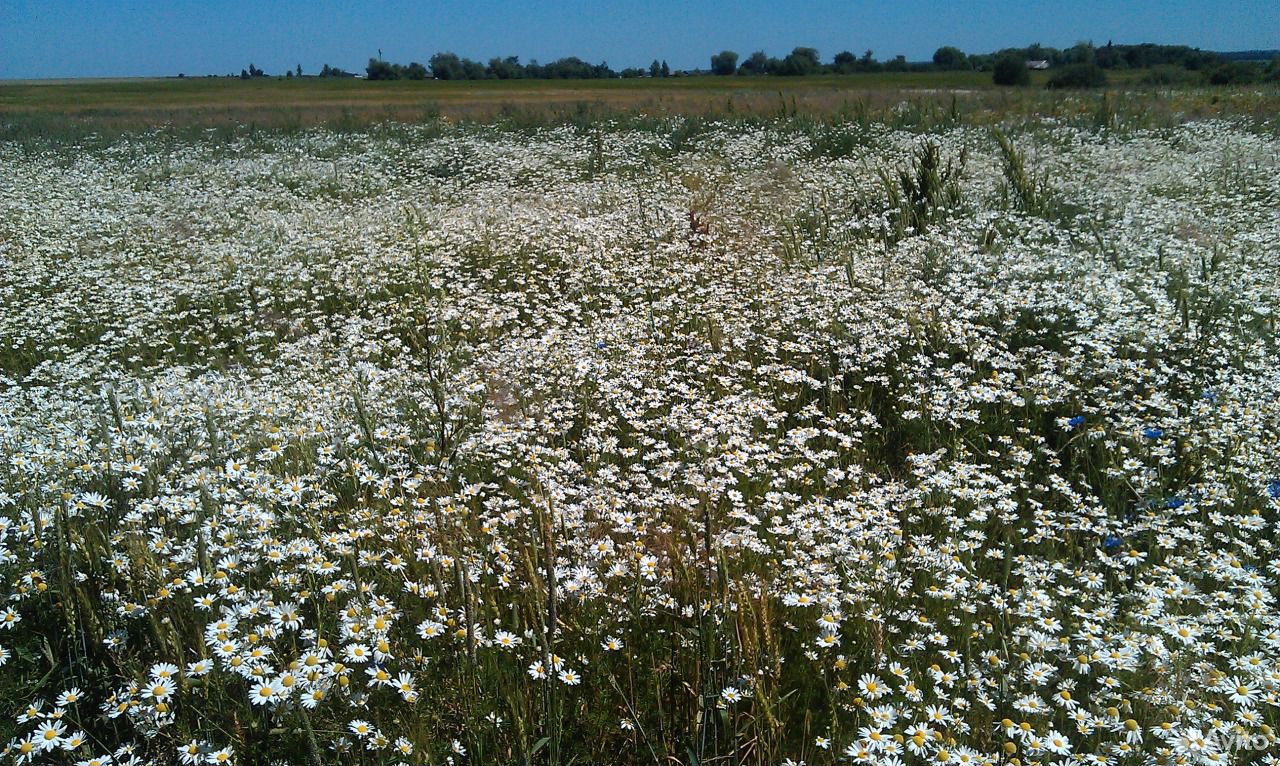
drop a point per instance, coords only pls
(756, 63)
(950, 58)
(508, 68)
(382, 70)
(655, 69)
(1080, 53)
(845, 62)
(447, 66)
(801, 61)
(724, 62)
(1011, 69)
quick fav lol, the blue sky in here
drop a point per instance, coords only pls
(96, 38)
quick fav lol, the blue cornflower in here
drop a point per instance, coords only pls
(1075, 421)
(601, 344)
(1273, 489)
(1153, 432)
(1209, 397)
(1111, 542)
(1174, 503)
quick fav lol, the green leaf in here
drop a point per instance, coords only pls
(538, 746)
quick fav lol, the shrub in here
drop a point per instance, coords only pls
(1170, 75)
(1235, 73)
(1078, 76)
(1011, 70)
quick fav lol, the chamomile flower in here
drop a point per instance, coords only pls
(158, 689)
(361, 728)
(267, 692)
(48, 735)
(506, 640)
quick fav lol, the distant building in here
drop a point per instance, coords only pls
(1038, 64)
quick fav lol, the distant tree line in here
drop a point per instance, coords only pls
(332, 71)
(803, 61)
(450, 66)
(1110, 56)
(1081, 65)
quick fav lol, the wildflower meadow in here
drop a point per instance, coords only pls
(676, 440)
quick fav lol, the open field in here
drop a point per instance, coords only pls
(35, 107)
(924, 431)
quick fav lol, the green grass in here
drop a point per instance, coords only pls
(89, 112)
(75, 95)
(141, 103)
